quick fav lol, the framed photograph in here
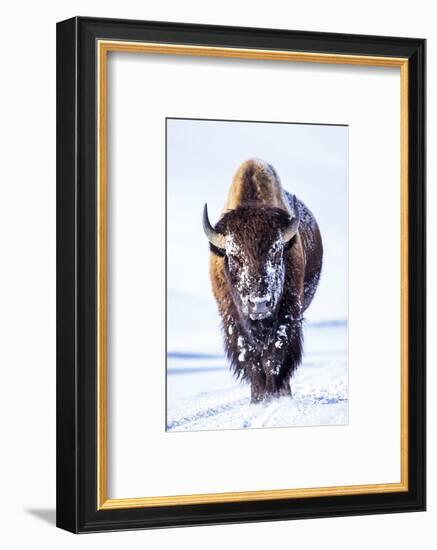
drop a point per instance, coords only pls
(240, 274)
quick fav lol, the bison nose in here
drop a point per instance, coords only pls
(260, 305)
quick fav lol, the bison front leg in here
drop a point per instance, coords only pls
(285, 389)
(257, 384)
(282, 358)
(277, 384)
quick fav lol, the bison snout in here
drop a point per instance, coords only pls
(260, 307)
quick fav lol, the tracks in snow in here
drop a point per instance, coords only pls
(320, 397)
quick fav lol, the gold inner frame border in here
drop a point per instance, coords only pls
(103, 48)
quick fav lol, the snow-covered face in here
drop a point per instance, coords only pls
(256, 277)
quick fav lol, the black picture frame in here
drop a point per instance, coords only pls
(77, 479)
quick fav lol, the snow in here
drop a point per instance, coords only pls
(202, 394)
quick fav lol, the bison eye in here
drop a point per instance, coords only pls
(276, 255)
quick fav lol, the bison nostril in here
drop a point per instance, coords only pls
(259, 304)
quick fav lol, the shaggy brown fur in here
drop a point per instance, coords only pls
(266, 351)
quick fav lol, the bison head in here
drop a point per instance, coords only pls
(252, 239)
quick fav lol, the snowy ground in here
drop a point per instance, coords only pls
(203, 395)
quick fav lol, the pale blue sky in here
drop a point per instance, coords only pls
(202, 157)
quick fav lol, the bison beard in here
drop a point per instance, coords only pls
(266, 256)
(265, 354)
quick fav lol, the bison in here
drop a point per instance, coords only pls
(265, 263)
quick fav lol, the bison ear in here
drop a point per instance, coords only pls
(215, 238)
(290, 231)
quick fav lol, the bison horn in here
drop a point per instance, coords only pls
(293, 226)
(217, 239)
